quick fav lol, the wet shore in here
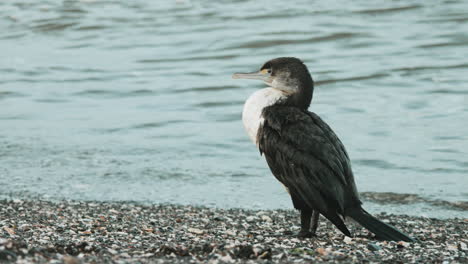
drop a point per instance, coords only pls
(95, 232)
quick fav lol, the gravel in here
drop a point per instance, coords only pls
(94, 232)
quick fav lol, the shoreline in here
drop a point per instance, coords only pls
(125, 232)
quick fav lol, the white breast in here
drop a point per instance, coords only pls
(252, 113)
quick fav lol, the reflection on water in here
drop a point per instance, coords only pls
(133, 100)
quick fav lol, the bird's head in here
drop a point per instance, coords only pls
(287, 74)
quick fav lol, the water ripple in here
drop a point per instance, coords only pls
(380, 11)
(114, 93)
(207, 89)
(219, 104)
(278, 42)
(197, 58)
(9, 94)
(350, 79)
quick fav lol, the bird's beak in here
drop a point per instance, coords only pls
(259, 75)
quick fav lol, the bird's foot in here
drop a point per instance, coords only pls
(305, 234)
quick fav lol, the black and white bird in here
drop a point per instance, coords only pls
(303, 152)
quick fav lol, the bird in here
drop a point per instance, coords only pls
(303, 152)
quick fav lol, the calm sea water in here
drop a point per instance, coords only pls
(133, 100)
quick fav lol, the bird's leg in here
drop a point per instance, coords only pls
(315, 220)
(305, 224)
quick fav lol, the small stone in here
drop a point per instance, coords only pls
(195, 231)
(348, 240)
(373, 247)
(463, 246)
(452, 247)
(250, 218)
(402, 244)
(226, 259)
(71, 260)
(266, 254)
(230, 232)
(321, 251)
(10, 231)
(245, 251)
(266, 218)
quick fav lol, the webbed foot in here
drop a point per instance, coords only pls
(305, 234)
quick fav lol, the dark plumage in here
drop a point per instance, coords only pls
(306, 156)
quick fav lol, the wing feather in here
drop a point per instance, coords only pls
(307, 157)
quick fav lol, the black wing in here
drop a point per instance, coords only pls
(308, 158)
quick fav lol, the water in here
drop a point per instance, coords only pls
(133, 100)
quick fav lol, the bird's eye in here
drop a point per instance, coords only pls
(269, 71)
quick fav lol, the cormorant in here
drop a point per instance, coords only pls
(303, 152)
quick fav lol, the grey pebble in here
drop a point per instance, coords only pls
(97, 232)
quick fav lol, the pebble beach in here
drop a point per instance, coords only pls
(109, 232)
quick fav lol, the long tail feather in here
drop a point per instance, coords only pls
(379, 228)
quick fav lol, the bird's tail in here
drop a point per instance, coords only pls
(379, 228)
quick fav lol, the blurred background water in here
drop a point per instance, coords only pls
(134, 101)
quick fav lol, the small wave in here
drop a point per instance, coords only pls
(407, 198)
(376, 163)
(207, 88)
(445, 150)
(455, 162)
(97, 93)
(141, 92)
(219, 104)
(461, 19)
(351, 110)
(165, 175)
(157, 124)
(448, 138)
(415, 105)
(380, 11)
(357, 78)
(91, 28)
(15, 117)
(51, 100)
(442, 45)
(277, 15)
(148, 125)
(279, 42)
(113, 94)
(15, 35)
(8, 94)
(55, 26)
(424, 68)
(77, 46)
(379, 133)
(448, 91)
(197, 58)
(441, 171)
(229, 117)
